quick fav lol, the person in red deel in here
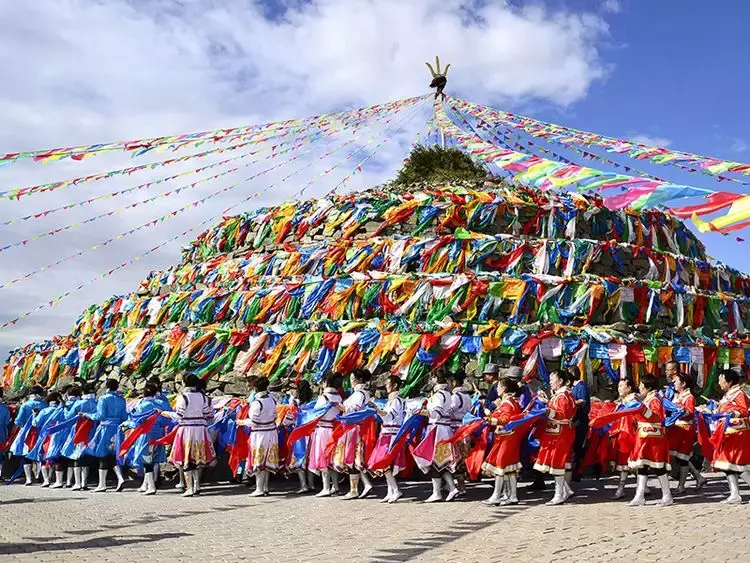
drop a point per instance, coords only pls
(681, 435)
(556, 442)
(732, 455)
(651, 450)
(504, 460)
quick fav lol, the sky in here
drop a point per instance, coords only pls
(86, 71)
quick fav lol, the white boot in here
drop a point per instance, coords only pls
(120, 478)
(189, 486)
(59, 480)
(640, 491)
(77, 475)
(734, 490)
(198, 475)
(325, 475)
(497, 493)
(666, 493)
(683, 473)
(144, 484)
(367, 485)
(303, 488)
(353, 487)
(511, 486)
(102, 487)
(70, 477)
(149, 481)
(85, 478)
(395, 492)
(334, 483)
(567, 489)
(559, 496)
(452, 489)
(700, 480)
(27, 472)
(45, 476)
(745, 476)
(436, 493)
(620, 492)
(180, 486)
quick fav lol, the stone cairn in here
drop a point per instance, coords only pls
(408, 280)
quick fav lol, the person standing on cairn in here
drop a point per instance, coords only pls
(111, 411)
(650, 454)
(556, 442)
(434, 456)
(192, 448)
(393, 416)
(319, 461)
(349, 453)
(24, 420)
(263, 451)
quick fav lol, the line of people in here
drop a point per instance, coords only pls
(448, 436)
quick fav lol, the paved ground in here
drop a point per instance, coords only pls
(224, 524)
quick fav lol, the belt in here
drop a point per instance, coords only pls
(738, 425)
(649, 425)
(264, 426)
(325, 424)
(111, 422)
(684, 423)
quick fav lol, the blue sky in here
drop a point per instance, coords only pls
(84, 71)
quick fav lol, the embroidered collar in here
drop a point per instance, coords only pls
(330, 390)
(360, 387)
(440, 387)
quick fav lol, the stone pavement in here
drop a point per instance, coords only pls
(224, 524)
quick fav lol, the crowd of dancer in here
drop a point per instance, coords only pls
(453, 433)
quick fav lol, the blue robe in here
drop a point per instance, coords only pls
(46, 418)
(86, 404)
(111, 411)
(142, 453)
(24, 420)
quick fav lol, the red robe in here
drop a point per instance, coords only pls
(733, 453)
(556, 442)
(505, 454)
(650, 448)
(622, 434)
(681, 436)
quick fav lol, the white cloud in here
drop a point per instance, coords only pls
(612, 6)
(651, 140)
(77, 71)
(739, 145)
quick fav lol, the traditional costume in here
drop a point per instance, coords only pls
(556, 443)
(393, 416)
(111, 411)
(622, 436)
(75, 451)
(319, 462)
(349, 454)
(732, 454)
(143, 454)
(296, 458)
(435, 455)
(43, 420)
(192, 448)
(26, 435)
(681, 439)
(650, 453)
(504, 460)
(4, 429)
(263, 451)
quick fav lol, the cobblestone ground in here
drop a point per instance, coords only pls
(224, 524)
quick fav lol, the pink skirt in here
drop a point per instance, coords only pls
(192, 446)
(431, 454)
(349, 454)
(263, 452)
(318, 442)
(381, 451)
